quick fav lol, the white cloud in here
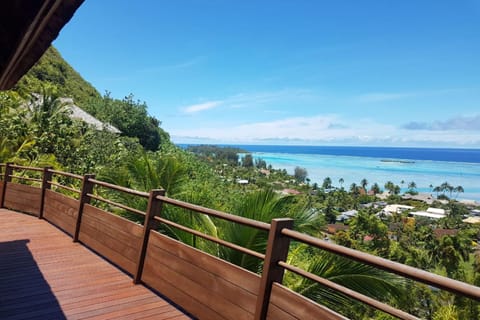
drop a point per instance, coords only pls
(201, 106)
(325, 129)
(456, 123)
(244, 100)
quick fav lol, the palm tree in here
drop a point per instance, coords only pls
(327, 183)
(364, 184)
(154, 171)
(354, 189)
(353, 275)
(390, 186)
(457, 190)
(437, 189)
(263, 205)
(411, 187)
(446, 187)
(341, 182)
(375, 188)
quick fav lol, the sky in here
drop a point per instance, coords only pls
(316, 72)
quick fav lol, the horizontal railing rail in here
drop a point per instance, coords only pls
(119, 188)
(114, 187)
(215, 213)
(211, 238)
(66, 174)
(116, 204)
(280, 234)
(25, 178)
(61, 186)
(24, 173)
(26, 168)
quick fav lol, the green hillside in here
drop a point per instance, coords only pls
(52, 75)
(53, 70)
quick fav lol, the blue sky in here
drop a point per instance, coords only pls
(389, 73)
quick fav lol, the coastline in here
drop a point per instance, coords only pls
(456, 166)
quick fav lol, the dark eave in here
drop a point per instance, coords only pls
(27, 28)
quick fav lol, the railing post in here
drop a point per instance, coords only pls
(154, 208)
(277, 250)
(87, 187)
(6, 178)
(47, 176)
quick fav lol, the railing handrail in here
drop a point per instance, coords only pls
(18, 167)
(227, 244)
(58, 185)
(388, 265)
(119, 188)
(66, 174)
(25, 178)
(116, 204)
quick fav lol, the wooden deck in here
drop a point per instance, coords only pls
(44, 275)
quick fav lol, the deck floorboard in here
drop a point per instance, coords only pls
(44, 275)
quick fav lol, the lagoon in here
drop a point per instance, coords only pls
(354, 168)
(424, 166)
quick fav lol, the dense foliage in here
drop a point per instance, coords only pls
(53, 70)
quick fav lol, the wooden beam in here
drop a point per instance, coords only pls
(277, 250)
(87, 187)
(154, 208)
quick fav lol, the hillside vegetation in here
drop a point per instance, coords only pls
(53, 70)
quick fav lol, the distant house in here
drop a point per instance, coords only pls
(344, 216)
(76, 112)
(290, 191)
(425, 197)
(436, 210)
(472, 220)
(384, 195)
(439, 233)
(265, 172)
(395, 208)
(242, 181)
(475, 212)
(335, 227)
(433, 213)
(80, 114)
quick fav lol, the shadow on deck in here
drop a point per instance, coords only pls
(23, 289)
(43, 275)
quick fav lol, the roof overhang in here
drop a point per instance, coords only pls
(27, 28)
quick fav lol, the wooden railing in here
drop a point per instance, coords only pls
(204, 285)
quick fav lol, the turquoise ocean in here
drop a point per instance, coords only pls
(424, 166)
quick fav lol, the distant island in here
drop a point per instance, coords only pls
(399, 161)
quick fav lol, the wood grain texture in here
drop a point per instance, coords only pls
(23, 198)
(206, 286)
(44, 275)
(287, 304)
(1, 190)
(60, 210)
(114, 237)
